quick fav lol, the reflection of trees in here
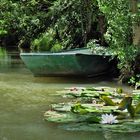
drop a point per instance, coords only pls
(4, 60)
(9, 58)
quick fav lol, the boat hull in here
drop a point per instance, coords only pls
(66, 64)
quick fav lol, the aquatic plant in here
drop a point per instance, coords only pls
(76, 88)
(104, 105)
(108, 119)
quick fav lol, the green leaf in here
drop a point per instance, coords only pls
(125, 103)
(93, 119)
(58, 117)
(3, 32)
(89, 94)
(62, 107)
(108, 101)
(125, 127)
(78, 108)
(137, 110)
(131, 110)
(105, 9)
(119, 90)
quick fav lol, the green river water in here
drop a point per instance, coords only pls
(24, 99)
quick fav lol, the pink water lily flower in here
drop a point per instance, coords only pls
(108, 119)
(76, 88)
(94, 102)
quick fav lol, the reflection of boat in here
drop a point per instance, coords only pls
(77, 62)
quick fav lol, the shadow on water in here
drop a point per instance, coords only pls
(73, 79)
(24, 99)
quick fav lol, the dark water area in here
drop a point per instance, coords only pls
(24, 99)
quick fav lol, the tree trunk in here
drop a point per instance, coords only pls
(88, 10)
(136, 26)
(102, 28)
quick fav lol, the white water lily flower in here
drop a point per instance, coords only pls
(108, 119)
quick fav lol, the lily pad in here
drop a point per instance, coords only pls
(89, 108)
(59, 117)
(54, 116)
(119, 128)
(62, 107)
(106, 89)
(90, 104)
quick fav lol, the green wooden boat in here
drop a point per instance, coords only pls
(77, 62)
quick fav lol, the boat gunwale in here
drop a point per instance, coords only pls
(77, 51)
(62, 53)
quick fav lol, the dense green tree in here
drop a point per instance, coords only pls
(21, 21)
(65, 24)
